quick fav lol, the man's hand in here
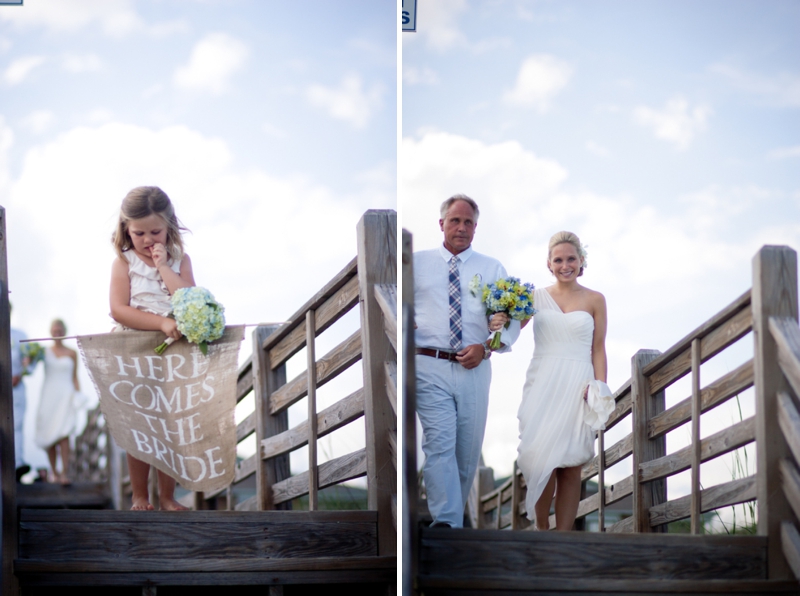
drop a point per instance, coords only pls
(15, 380)
(471, 356)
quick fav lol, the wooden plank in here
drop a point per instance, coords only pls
(721, 495)
(266, 383)
(619, 490)
(330, 311)
(377, 264)
(520, 585)
(646, 404)
(393, 446)
(601, 481)
(269, 580)
(694, 449)
(734, 308)
(789, 422)
(616, 453)
(332, 364)
(790, 481)
(336, 416)
(346, 467)
(623, 407)
(8, 505)
(244, 382)
(787, 338)
(246, 427)
(386, 297)
(774, 295)
(90, 495)
(124, 518)
(719, 391)
(623, 526)
(205, 565)
(713, 343)
(790, 540)
(315, 302)
(250, 504)
(390, 372)
(478, 554)
(724, 441)
(311, 420)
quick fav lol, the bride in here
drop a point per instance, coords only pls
(569, 331)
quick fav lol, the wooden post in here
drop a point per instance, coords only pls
(311, 359)
(377, 264)
(774, 295)
(8, 506)
(409, 409)
(265, 382)
(645, 406)
(601, 481)
(696, 520)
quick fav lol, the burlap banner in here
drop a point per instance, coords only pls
(173, 411)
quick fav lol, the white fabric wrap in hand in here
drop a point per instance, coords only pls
(599, 405)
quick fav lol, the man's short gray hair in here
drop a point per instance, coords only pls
(459, 197)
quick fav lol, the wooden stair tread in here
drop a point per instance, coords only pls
(440, 586)
(79, 495)
(485, 555)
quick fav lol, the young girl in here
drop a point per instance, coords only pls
(150, 267)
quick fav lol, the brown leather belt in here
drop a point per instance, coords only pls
(443, 354)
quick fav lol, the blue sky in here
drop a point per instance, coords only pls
(271, 125)
(665, 134)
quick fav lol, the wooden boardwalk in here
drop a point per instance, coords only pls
(60, 536)
(634, 555)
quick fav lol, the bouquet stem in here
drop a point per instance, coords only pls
(495, 343)
(163, 346)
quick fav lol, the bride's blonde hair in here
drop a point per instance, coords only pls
(568, 238)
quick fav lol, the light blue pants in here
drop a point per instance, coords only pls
(452, 403)
(19, 422)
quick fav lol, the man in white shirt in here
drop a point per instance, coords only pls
(453, 369)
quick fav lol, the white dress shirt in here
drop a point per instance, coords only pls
(431, 299)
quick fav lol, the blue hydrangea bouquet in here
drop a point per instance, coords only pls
(200, 317)
(511, 296)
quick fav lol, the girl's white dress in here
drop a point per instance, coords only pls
(60, 403)
(148, 291)
(552, 430)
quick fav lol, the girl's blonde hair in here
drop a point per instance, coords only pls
(568, 238)
(141, 202)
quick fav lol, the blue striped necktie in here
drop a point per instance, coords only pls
(455, 305)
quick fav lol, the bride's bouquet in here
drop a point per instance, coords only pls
(200, 317)
(508, 295)
(34, 352)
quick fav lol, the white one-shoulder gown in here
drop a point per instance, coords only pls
(552, 430)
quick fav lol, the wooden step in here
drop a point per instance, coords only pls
(79, 495)
(72, 547)
(494, 558)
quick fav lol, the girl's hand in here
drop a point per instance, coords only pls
(170, 328)
(158, 253)
(497, 321)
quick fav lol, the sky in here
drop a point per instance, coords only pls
(665, 134)
(272, 126)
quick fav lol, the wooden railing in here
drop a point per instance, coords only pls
(769, 310)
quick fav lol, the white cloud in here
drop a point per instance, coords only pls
(38, 121)
(676, 123)
(419, 76)
(115, 17)
(20, 68)
(348, 102)
(6, 141)
(782, 89)
(81, 63)
(541, 77)
(784, 152)
(214, 60)
(441, 30)
(597, 149)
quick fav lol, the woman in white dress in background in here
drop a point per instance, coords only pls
(57, 415)
(569, 331)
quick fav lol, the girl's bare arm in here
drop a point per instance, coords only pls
(599, 359)
(173, 281)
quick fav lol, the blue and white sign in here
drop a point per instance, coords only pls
(409, 15)
(17, 2)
